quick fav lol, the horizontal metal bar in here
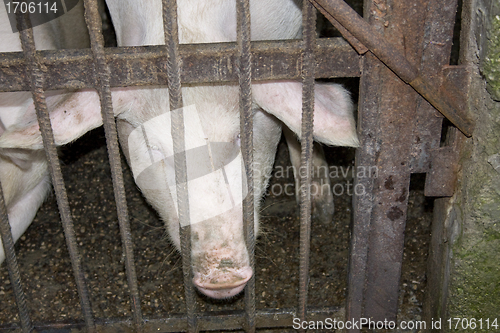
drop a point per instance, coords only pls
(444, 101)
(201, 63)
(211, 321)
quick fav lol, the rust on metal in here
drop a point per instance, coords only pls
(172, 65)
(244, 61)
(397, 62)
(358, 46)
(36, 86)
(398, 136)
(102, 78)
(208, 321)
(306, 144)
(202, 63)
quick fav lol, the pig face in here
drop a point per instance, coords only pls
(214, 168)
(211, 113)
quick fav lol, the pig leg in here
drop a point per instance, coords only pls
(322, 206)
(24, 192)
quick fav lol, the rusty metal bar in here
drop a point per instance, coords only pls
(12, 267)
(246, 136)
(306, 140)
(362, 204)
(177, 132)
(386, 125)
(360, 48)
(202, 63)
(443, 101)
(379, 214)
(36, 74)
(209, 321)
(437, 45)
(94, 24)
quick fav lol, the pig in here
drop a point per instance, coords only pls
(23, 172)
(220, 259)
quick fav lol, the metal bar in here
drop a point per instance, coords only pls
(210, 321)
(379, 214)
(36, 75)
(203, 63)
(395, 107)
(309, 33)
(246, 136)
(94, 24)
(358, 46)
(12, 267)
(396, 61)
(437, 44)
(177, 131)
(363, 204)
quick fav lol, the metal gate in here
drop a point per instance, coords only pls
(392, 66)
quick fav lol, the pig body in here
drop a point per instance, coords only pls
(23, 172)
(219, 256)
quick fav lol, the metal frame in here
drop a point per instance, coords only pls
(400, 133)
(379, 215)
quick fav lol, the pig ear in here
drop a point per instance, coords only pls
(333, 110)
(71, 116)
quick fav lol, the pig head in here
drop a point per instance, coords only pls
(220, 258)
(211, 116)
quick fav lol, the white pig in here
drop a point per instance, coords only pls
(23, 172)
(219, 256)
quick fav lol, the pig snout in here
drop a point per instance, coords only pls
(218, 275)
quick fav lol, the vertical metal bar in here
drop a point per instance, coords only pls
(175, 99)
(94, 24)
(33, 67)
(386, 106)
(366, 155)
(308, 64)
(12, 267)
(246, 135)
(362, 204)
